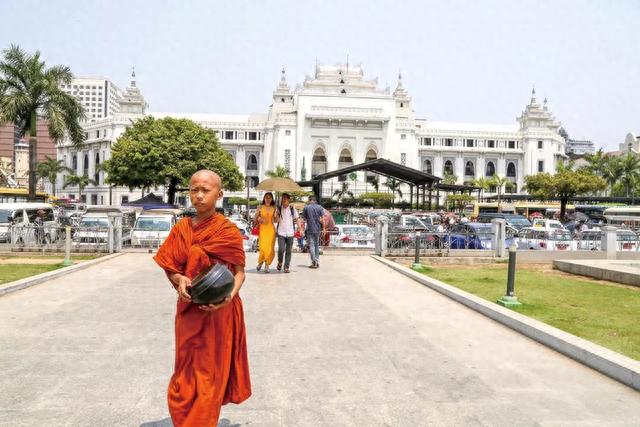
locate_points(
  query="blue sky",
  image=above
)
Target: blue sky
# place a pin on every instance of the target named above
(472, 61)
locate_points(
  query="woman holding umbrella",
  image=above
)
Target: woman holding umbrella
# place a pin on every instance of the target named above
(265, 218)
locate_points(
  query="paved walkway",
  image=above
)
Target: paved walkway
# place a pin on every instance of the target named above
(351, 344)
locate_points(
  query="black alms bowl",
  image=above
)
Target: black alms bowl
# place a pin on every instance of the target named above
(212, 285)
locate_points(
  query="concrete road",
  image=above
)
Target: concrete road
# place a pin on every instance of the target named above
(350, 344)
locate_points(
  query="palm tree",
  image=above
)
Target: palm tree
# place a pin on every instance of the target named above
(500, 182)
(483, 183)
(342, 192)
(278, 172)
(28, 90)
(375, 183)
(81, 181)
(597, 162)
(50, 168)
(630, 172)
(394, 186)
(612, 172)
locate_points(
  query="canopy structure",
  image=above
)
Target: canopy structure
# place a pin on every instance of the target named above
(419, 182)
(150, 201)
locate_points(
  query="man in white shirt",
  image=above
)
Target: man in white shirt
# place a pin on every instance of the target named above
(289, 222)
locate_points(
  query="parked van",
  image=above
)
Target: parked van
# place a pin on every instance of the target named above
(19, 226)
(93, 228)
(516, 221)
(152, 227)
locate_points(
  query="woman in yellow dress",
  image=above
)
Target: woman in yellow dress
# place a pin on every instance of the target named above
(266, 217)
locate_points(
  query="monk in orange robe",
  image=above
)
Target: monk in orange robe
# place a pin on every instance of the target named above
(211, 366)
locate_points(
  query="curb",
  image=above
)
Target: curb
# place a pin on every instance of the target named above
(27, 282)
(614, 365)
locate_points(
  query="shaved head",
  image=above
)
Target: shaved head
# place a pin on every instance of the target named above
(206, 175)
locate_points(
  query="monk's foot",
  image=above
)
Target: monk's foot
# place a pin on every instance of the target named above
(259, 267)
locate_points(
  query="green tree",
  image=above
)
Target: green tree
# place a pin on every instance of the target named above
(394, 187)
(50, 168)
(449, 179)
(483, 183)
(597, 162)
(612, 172)
(379, 200)
(501, 183)
(278, 172)
(28, 91)
(342, 192)
(375, 183)
(81, 181)
(566, 183)
(167, 152)
(629, 172)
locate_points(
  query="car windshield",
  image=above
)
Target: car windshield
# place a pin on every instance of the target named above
(5, 215)
(153, 224)
(560, 235)
(518, 221)
(94, 223)
(627, 236)
(414, 222)
(555, 225)
(351, 231)
(483, 232)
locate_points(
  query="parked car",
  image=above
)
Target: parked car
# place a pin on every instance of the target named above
(591, 240)
(472, 235)
(352, 236)
(18, 223)
(548, 224)
(516, 221)
(93, 229)
(249, 241)
(538, 238)
(152, 227)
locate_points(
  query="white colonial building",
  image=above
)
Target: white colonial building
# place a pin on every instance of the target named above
(338, 118)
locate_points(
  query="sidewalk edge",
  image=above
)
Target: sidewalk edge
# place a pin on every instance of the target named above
(614, 365)
(27, 282)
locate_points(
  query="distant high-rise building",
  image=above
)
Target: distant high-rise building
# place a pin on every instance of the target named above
(100, 97)
(580, 147)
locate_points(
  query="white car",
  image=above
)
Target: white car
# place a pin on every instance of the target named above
(151, 229)
(19, 224)
(352, 236)
(548, 224)
(249, 241)
(626, 240)
(92, 230)
(546, 240)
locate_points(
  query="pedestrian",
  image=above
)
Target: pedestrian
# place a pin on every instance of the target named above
(266, 216)
(39, 227)
(313, 214)
(211, 366)
(288, 224)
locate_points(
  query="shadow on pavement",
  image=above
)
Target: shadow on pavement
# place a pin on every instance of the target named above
(167, 423)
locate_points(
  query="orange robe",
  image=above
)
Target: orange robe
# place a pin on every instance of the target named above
(211, 366)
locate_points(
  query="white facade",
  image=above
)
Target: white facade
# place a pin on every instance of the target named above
(631, 144)
(338, 118)
(99, 97)
(580, 147)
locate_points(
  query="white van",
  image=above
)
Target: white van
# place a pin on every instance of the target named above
(18, 223)
(152, 227)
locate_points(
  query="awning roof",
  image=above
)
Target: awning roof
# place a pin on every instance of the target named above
(383, 167)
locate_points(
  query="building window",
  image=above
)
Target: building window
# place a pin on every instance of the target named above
(540, 145)
(469, 143)
(252, 164)
(287, 132)
(287, 160)
(318, 162)
(448, 142)
(85, 165)
(427, 141)
(490, 170)
(401, 104)
(540, 165)
(96, 174)
(403, 159)
(469, 169)
(97, 134)
(448, 167)
(74, 163)
(511, 170)
(511, 144)
(426, 167)
(94, 199)
(228, 134)
(344, 161)
(491, 143)
(253, 136)
(124, 199)
(403, 136)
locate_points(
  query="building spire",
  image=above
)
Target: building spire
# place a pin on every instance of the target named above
(283, 79)
(133, 76)
(533, 95)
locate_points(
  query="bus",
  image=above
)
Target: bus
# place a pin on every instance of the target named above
(477, 208)
(547, 210)
(623, 216)
(20, 195)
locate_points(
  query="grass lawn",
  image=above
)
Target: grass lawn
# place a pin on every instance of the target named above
(601, 312)
(11, 272)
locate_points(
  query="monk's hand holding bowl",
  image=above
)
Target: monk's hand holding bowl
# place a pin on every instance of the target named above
(183, 283)
(212, 307)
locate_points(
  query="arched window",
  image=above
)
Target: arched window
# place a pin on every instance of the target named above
(345, 160)
(448, 167)
(252, 163)
(85, 165)
(511, 170)
(469, 169)
(490, 170)
(96, 175)
(318, 162)
(426, 167)
(74, 164)
(371, 155)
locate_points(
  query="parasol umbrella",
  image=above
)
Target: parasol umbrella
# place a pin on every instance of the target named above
(279, 185)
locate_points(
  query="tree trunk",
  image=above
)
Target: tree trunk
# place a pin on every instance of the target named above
(563, 207)
(53, 184)
(33, 156)
(173, 184)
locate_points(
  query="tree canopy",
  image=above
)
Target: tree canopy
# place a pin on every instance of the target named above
(168, 151)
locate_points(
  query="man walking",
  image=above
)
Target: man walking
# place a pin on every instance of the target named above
(313, 213)
(287, 225)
